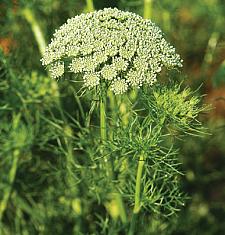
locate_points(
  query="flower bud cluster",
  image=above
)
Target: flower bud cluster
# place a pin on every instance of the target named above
(119, 48)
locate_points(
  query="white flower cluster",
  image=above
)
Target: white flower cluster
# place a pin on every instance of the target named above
(119, 48)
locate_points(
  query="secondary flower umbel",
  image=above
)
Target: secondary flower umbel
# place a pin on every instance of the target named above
(119, 48)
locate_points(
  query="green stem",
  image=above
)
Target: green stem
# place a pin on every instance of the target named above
(137, 200)
(148, 9)
(102, 119)
(109, 167)
(113, 111)
(166, 20)
(90, 5)
(121, 208)
(112, 104)
(103, 133)
(210, 50)
(118, 198)
(29, 16)
(12, 175)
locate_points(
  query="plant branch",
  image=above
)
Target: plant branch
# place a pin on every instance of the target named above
(109, 166)
(29, 16)
(148, 9)
(137, 202)
(90, 5)
(137, 198)
(12, 175)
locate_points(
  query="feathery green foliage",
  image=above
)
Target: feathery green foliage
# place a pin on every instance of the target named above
(64, 173)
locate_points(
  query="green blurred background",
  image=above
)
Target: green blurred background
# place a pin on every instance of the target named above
(40, 117)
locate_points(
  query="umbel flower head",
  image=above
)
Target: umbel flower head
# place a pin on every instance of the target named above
(118, 48)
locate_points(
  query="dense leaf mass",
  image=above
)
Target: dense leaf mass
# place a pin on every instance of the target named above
(119, 48)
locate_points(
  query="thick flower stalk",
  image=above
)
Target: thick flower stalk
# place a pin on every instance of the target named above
(120, 49)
